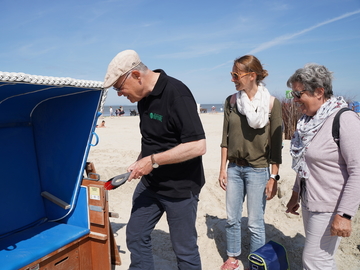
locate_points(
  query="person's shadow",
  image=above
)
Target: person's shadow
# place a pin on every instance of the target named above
(216, 231)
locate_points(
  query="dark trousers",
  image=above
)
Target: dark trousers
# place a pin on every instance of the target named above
(148, 207)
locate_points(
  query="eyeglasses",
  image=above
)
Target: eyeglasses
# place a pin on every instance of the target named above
(297, 94)
(236, 76)
(121, 85)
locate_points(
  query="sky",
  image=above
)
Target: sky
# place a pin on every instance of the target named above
(194, 41)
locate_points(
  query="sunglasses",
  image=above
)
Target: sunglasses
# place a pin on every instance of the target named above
(121, 85)
(297, 94)
(236, 76)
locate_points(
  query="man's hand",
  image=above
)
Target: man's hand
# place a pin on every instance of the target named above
(139, 168)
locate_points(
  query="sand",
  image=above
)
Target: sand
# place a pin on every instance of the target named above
(119, 146)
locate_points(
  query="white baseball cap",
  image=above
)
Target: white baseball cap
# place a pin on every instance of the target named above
(122, 63)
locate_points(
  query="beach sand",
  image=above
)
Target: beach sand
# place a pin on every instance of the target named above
(119, 147)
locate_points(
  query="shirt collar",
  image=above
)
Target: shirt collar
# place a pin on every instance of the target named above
(160, 84)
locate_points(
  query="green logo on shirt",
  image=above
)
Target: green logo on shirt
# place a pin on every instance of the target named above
(156, 116)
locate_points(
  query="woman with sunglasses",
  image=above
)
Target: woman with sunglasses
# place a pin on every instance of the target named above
(251, 141)
(328, 176)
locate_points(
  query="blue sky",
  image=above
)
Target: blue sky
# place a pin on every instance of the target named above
(195, 41)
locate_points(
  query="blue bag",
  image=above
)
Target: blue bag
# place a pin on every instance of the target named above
(271, 256)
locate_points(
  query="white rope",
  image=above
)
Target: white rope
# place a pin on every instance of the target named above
(47, 80)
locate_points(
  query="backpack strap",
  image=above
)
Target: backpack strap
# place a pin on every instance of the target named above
(232, 101)
(336, 125)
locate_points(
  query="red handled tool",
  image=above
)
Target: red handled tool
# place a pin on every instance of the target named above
(116, 181)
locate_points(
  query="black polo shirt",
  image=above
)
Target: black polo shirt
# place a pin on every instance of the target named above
(169, 117)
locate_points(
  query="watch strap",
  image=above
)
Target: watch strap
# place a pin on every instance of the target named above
(346, 216)
(154, 164)
(275, 176)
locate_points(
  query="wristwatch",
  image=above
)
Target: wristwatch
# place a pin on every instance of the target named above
(275, 177)
(346, 216)
(154, 164)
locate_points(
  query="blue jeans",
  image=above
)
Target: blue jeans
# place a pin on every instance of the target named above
(148, 207)
(242, 181)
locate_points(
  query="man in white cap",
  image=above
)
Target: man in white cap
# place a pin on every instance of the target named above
(170, 162)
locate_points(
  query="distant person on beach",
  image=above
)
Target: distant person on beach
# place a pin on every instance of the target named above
(251, 142)
(169, 164)
(121, 111)
(111, 111)
(102, 125)
(327, 181)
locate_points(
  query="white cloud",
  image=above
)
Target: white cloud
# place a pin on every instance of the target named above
(282, 39)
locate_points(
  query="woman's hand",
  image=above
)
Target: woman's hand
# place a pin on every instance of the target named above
(223, 179)
(340, 226)
(271, 189)
(293, 204)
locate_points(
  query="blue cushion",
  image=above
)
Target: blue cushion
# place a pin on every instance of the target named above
(25, 247)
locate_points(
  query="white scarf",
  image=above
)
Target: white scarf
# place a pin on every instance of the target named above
(256, 110)
(306, 129)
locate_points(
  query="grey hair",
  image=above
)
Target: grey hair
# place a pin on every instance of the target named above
(141, 67)
(313, 76)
